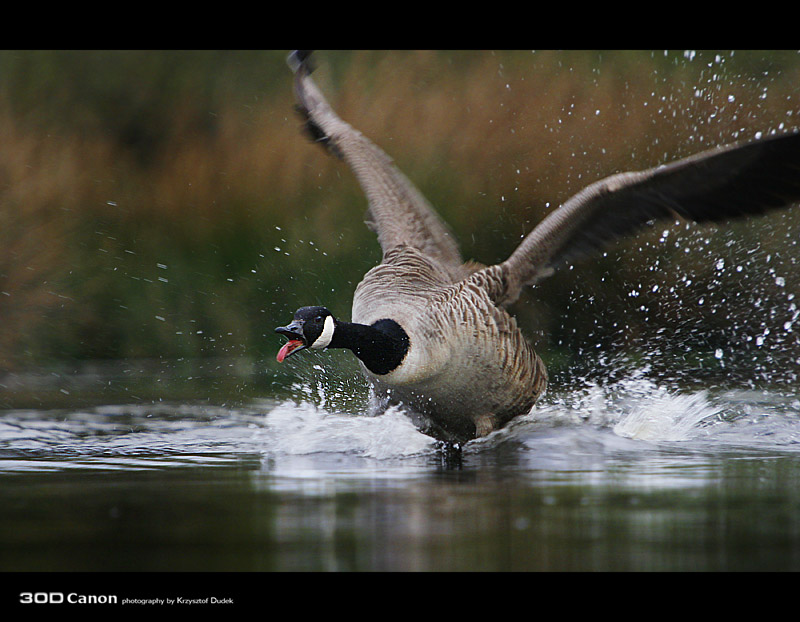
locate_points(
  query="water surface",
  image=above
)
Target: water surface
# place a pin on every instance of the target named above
(629, 476)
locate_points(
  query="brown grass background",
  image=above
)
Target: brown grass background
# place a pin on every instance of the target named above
(144, 196)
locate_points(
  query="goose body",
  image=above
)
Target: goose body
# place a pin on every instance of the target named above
(457, 335)
(432, 332)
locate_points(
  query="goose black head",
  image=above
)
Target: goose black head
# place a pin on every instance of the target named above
(312, 327)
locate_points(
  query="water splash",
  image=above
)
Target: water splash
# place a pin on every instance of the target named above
(579, 422)
(668, 417)
(631, 408)
(302, 428)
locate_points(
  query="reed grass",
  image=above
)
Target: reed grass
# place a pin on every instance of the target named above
(165, 205)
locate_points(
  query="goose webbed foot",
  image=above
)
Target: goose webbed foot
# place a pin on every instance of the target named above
(450, 453)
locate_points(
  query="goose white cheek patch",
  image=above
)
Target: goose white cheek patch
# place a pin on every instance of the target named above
(324, 340)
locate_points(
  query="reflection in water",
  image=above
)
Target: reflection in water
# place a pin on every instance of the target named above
(620, 478)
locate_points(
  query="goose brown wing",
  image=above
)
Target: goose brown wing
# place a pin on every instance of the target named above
(712, 186)
(397, 213)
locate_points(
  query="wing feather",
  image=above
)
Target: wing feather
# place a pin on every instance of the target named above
(712, 186)
(398, 213)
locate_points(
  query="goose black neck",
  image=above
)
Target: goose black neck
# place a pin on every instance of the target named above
(381, 346)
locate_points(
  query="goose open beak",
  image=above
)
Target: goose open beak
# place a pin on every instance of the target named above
(294, 333)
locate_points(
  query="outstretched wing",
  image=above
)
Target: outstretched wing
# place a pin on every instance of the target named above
(715, 185)
(397, 212)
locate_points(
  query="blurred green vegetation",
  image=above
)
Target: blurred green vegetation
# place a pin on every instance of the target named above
(164, 205)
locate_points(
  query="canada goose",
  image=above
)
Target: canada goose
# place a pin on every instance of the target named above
(431, 331)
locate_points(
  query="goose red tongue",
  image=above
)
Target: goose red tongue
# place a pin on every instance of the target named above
(288, 348)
